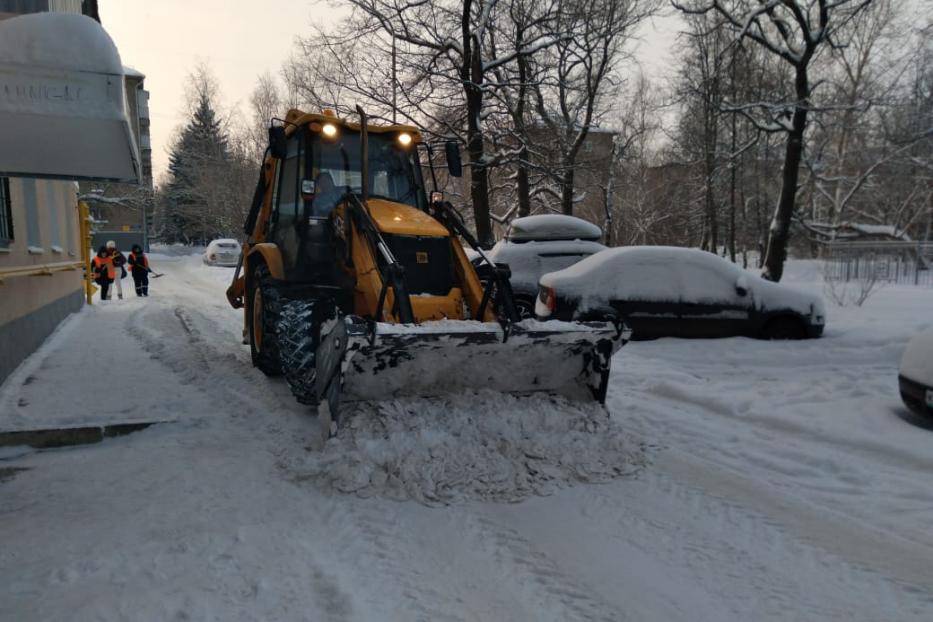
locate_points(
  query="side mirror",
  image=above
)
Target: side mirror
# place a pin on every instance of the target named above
(454, 165)
(278, 148)
(741, 286)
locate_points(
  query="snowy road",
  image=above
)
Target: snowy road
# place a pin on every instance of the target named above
(782, 482)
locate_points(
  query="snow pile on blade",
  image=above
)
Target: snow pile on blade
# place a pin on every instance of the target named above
(483, 446)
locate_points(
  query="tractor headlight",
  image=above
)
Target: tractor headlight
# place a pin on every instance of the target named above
(329, 130)
(404, 139)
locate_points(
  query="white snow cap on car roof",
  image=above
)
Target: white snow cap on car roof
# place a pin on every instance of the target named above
(552, 227)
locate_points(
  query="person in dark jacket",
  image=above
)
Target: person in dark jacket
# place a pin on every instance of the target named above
(139, 267)
(102, 268)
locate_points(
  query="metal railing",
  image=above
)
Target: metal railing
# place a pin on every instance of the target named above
(902, 263)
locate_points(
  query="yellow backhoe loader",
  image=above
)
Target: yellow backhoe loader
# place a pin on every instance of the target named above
(355, 284)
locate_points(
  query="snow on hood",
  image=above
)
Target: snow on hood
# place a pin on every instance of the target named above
(482, 446)
(552, 227)
(58, 41)
(917, 361)
(666, 273)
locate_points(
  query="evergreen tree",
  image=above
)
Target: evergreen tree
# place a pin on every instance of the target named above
(200, 151)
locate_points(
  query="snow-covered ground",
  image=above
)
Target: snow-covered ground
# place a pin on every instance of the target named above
(736, 480)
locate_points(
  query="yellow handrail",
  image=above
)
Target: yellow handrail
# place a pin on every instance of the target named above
(63, 266)
(40, 269)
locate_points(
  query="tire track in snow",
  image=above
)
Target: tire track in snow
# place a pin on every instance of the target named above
(744, 560)
(539, 580)
(699, 457)
(172, 337)
(387, 553)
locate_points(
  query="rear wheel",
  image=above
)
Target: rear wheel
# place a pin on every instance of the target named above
(298, 343)
(525, 308)
(264, 311)
(784, 328)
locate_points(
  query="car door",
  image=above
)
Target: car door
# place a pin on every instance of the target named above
(288, 204)
(712, 305)
(648, 299)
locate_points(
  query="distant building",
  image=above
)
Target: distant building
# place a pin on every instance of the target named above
(854, 232)
(124, 214)
(40, 250)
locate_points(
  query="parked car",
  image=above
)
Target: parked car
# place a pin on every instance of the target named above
(535, 245)
(678, 292)
(222, 252)
(916, 374)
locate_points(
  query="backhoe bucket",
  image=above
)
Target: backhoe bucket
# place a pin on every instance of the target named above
(359, 360)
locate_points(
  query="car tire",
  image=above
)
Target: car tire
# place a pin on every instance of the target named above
(525, 307)
(784, 328)
(299, 338)
(263, 316)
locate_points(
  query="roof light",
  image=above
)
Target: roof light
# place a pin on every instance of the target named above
(404, 139)
(329, 129)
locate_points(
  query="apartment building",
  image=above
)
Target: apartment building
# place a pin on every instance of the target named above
(41, 272)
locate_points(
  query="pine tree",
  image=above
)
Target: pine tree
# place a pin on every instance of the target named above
(200, 151)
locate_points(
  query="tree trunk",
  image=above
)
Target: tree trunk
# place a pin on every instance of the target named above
(523, 187)
(780, 225)
(471, 75)
(566, 190)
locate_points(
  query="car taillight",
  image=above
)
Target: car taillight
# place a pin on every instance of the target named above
(549, 297)
(213, 257)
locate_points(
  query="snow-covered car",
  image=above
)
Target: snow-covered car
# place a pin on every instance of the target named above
(536, 245)
(916, 374)
(222, 252)
(678, 292)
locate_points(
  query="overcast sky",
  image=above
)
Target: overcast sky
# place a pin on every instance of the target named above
(165, 39)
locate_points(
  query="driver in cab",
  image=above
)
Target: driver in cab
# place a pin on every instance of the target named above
(326, 195)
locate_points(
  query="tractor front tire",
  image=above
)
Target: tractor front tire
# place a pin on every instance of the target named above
(299, 338)
(264, 311)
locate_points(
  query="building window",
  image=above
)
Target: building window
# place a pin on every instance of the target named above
(6, 214)
(33, 240)
(54, 210)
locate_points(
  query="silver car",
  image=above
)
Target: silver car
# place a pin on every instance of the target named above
(222, 252)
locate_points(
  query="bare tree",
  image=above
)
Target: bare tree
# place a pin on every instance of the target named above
(580, 73)
(265, 103)
(794, 32)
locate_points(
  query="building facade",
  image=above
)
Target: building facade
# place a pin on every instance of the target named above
(41, 270)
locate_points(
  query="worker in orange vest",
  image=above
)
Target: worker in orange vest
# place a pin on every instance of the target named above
(102, 267)
(139, 267)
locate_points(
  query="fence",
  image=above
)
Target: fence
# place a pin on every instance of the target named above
(903, 263)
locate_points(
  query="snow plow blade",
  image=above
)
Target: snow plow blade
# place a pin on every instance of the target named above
(359, 360)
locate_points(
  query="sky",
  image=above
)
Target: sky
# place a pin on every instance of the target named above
(238, 40)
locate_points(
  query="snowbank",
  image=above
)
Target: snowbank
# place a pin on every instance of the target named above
(474, 446)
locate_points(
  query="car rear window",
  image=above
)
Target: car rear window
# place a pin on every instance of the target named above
(228, 245)
(552, 262)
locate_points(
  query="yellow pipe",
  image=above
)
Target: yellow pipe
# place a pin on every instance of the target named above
(84, 224)
(39, 270)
